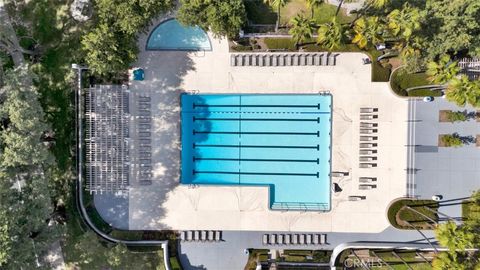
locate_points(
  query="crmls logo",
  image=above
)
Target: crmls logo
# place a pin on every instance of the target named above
(369, 262)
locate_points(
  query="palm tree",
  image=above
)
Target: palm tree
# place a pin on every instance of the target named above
(301, 28)
(312, 4)
(331, 35)
(462, 91)
(377, 3)
(367, 31)
(404, 21)
(443, 71)
(277, 4)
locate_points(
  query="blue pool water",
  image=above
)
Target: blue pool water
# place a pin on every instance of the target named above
(171, 35)
(280, 141)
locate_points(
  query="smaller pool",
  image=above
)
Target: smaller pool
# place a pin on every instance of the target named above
(170, 35)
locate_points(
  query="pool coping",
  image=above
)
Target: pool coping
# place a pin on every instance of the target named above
(177, 49)
(266, 185)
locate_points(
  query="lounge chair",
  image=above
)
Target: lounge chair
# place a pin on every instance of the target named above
(288, 60)
(301, 60)
(302, 239)
(356, 198)
(210, 235)
(268, 60)
(316, 239)
(368, 138)
(280, 239)
(196, 235)
(261, 60)
(325, 59)
(331, 60)
(323, 239)
(273, 239)
(233, 60)
(288, 239)
(183, 235)
(310, 59)
(367, 158)
(247, 60)
(368, 125)
(189, 236)
(368, 110)
(317, 60)
(295, 239)
(275, 60)
(203, 235)
(368, 145)
(366, 186)
(218, 236)
(295, 60)
(309, 239)
(368, 116)
(368, 131)
(367, 179)
(281, 60)
(254, 60)
(265, 239)
(367, 165)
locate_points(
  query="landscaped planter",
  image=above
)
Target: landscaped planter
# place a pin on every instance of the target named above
(452, 116)
(400, 216)
(449, 140)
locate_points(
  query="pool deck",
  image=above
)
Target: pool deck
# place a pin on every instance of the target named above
(167, 205)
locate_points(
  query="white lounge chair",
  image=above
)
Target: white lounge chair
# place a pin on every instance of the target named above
(265, 239)
(323, 239)
(309, 239)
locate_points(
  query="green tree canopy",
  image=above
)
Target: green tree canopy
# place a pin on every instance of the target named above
(222, 18)
(331, 35)
(301, 28)
(442, 71)
(462, 91)
(367, 31)
(451, 26)
(25, 162)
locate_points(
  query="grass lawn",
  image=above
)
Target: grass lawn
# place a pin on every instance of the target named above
(322, 14)
(402, 81)
(411, 216)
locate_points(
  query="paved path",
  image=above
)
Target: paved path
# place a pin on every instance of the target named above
(229, 254)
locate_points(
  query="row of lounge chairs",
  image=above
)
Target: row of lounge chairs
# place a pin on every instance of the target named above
(204, 236)
(145, 142)
(283, 59)
(368, 140)
(367, 183)
(294, 239)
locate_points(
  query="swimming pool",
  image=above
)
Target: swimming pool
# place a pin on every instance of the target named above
(279, 141)
(171, 35)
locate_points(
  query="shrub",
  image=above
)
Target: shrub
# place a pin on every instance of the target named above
(452, 140)
(456, 116)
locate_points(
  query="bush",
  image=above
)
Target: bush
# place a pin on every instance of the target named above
(241, 48)
(280, 44)
(456, 116)
(452, 140)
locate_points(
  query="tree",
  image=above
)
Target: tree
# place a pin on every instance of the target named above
(331, 35)
(367, 31)
(313, 4)
(377, 3)
(404, 21)
(107, 51)
(277, 4)
(451, 26)
(25, 202)
(222, 18)
(462, 91)
(130, 16)
(301, 29)
(442, 71)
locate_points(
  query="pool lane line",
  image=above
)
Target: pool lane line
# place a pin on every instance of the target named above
(317, 106)
(317, 147)
(317, 161)
(257, 133)
(317, 120)
(256, 173)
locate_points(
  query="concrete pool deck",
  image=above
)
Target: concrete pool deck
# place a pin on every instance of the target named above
(167, 205)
